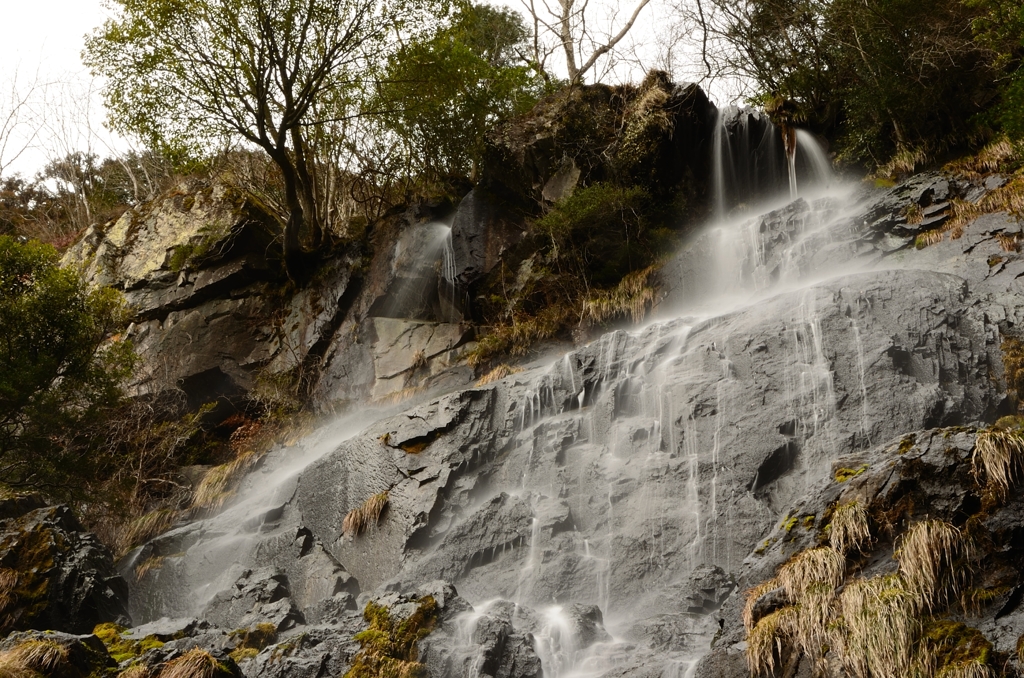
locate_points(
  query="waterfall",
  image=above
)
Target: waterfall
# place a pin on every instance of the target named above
(753, 162)
(617, 472)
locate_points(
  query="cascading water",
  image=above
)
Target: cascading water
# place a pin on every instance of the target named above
(624, 471)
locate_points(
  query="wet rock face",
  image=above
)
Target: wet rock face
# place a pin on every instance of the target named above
(59, 577)
(922, 475)
(625, 495)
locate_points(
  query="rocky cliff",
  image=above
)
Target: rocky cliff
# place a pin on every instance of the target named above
(603, 511)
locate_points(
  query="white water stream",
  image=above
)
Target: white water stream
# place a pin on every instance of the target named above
(630, 434)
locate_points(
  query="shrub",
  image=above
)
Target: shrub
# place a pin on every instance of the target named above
(61, 368)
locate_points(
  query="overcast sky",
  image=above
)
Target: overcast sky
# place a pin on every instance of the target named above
(44, 41)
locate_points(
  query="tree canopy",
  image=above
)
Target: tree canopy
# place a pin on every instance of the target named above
(192, 73)
(445, 89)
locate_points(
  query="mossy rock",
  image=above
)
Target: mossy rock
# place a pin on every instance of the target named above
(54, 576)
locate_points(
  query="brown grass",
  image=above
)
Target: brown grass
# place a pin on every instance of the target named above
(1007, 198)
(1009, 242)
(135, 671)
(153, 563)
(849, 529)
(33, 657)
(990, 159)
(998, 455)
(217, 486)
(498, 373)
(367, 515)
(631, 298)
(807, 568)
(767, 641)
(8, 585)
(195, 663)
(904, 162)
(876, 634)
(144, 528)
(752, 596)
(932, 557)
(970, 669)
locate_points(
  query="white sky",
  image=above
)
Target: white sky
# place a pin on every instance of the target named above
(45, 38)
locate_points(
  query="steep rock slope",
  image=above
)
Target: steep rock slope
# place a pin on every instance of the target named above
(629, 485)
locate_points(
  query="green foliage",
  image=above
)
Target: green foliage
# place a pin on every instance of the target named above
(59, 374)
(278, 75)
(885, 78)
(388, 648)
(602, 232)
(443, 91)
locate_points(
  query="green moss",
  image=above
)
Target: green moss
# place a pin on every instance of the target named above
(808, 522)
(31, 555)
(241, 654)
(389, 649)
(994, 260)
(844, 474)
(789, 523)
(765, 546)
(255, 638)
(1013, 370)
(953, 644)
(907, 444)
(193, 251)
(122, 648)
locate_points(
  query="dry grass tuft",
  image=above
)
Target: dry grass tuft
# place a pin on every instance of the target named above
(849, 529)
(970, 669)
(986, 161)
(767, 641)
(878, 627)
(146, 527)
(500, 372)
(1009, 242)
(8, 584)
(929, 555)
(135, 671)
(904, 162)
(33, 657)
(367, 515)
(929, 238)
(195, 663)
(217, 485)
(999, 453)
(632, 298)
(810, 567)
(1007, 198)
(752, 596)
(149, 564)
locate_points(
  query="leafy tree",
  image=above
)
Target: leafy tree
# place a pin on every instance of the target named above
(882, 77)
(59, 373)
(193, 73)
(443, 91)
